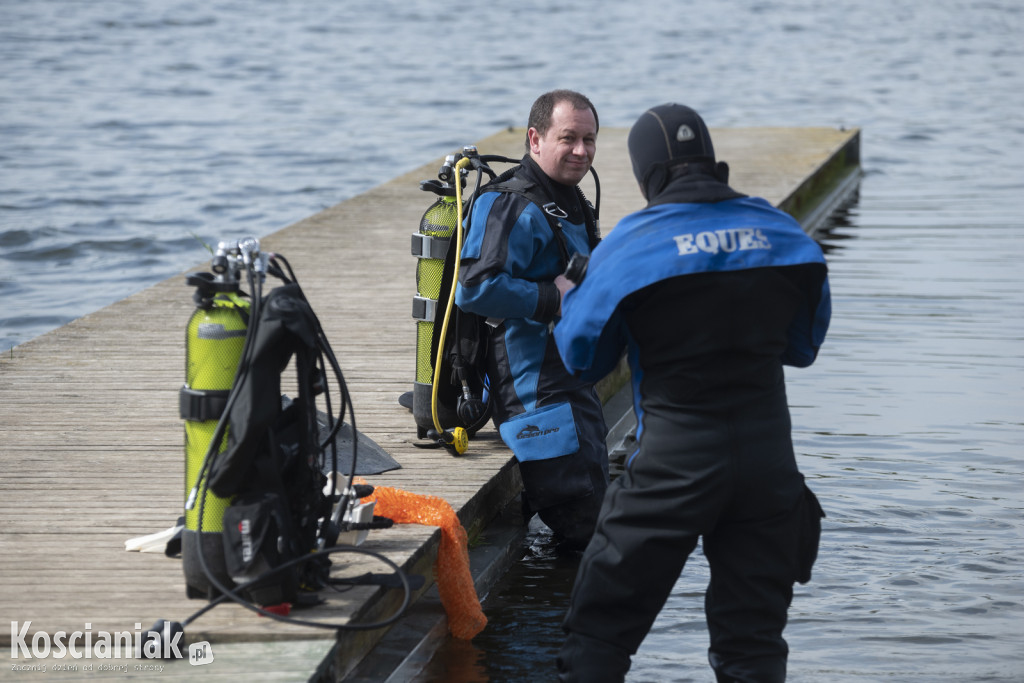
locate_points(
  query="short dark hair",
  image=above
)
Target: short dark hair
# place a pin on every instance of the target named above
(544, 107)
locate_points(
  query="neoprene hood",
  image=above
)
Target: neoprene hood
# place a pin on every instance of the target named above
(665, 136)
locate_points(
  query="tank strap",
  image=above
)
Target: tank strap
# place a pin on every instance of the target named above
(428, 246)
(424, 309)
(201, 405)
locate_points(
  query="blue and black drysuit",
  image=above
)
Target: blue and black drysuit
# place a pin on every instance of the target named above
(709, 299)
(551, 420)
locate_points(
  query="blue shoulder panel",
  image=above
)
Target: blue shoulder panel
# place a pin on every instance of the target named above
(670, 240)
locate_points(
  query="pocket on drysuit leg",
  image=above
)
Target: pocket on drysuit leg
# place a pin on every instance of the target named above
(811, 515)
(545, 442)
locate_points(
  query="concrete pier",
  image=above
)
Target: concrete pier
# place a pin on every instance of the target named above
(91, 447)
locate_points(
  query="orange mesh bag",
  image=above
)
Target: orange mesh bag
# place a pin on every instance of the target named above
(451, 570)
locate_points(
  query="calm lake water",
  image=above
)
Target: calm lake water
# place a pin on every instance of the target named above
(135, 131)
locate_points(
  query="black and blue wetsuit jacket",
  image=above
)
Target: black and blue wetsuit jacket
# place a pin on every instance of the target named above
(669, 240)
(510, 259)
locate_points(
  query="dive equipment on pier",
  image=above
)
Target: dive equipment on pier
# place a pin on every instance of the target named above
(450, 392)
(261, 515)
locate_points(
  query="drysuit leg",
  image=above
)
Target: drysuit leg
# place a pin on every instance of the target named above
(652, 518)
(579, 481)
(565, 491)
(735, 482)
(748, 597)
(753, 551)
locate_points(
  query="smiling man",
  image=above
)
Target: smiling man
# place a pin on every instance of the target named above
(523, 231)
(562, 138)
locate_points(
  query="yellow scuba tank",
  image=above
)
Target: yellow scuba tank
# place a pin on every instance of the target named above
(429, 246)
(214, 340)
(450, 397)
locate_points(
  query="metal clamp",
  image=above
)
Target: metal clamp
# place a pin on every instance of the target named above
(424, 309)
(427, 246)
(199, 405)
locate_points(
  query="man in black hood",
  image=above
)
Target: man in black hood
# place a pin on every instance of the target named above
(710, 292)
(674, 160)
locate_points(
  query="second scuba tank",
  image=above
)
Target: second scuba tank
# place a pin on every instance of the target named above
(430, 246)
(214, 340)
(451, 389)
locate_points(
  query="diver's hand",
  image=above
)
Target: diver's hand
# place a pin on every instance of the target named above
(564, 284)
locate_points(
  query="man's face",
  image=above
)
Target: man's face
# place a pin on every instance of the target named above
(567, 150)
